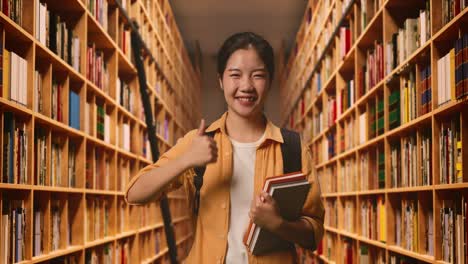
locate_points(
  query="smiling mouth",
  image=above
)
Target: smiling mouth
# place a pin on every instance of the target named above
(246, 99)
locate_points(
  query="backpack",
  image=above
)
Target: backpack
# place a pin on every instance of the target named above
(292, 161)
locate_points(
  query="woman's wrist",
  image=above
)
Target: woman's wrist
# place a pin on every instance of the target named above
(185, 162)
(277, 224)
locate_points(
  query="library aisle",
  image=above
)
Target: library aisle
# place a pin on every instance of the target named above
(378, 89)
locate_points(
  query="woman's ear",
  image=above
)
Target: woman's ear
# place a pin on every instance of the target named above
(220, 80)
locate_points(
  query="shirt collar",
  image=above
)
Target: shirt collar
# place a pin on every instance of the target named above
(272, 132)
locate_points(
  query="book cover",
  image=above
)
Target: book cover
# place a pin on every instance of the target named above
(289, 192)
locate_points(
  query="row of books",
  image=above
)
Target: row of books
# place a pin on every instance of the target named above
(96, 67)
(348, 216)
(461, 66)
(370, 224)
(406, 225)
(57, 101)
(331, 213)
(58, 223)
(12, 242)
(15, 150)
(367, 256)
(327, 68)
(452, 74)
(14, 81)
(13, 10)
(125, 96)
(454, 222)
(38, 92)
(409, 97)
(103, 255)
(98, 173)
(397, 259)
(347, 251)
(414, 34)
(319, 125)
(347, 136)
(373, 219)
(56, 177)
(53, 32)
(375, 118)
(426, 90)
(147, 147)
(99, 9)
(348, 175)
(126, 136)
(332, 111)
(122, 216)
(122, 255)
(372, 167)
(329, 146)
(101, 120)
(372, 73)
(346, 97)
(451, 8)
(450, 146)
(74, 110)
(394, 112)
(56, 162)
(162, 128)
(328, 179)
(124, 174)
(103, 124)
(125, 41)
(97, 218)
(368, 9)
(346, 39)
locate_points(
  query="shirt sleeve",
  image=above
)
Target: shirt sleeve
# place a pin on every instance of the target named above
(313, 210)
(184, 179)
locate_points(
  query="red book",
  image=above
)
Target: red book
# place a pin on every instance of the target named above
(289, 192)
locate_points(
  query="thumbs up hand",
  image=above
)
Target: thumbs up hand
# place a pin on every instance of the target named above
(203, 149)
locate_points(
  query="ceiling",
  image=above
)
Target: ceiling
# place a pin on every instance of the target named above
(212, 21)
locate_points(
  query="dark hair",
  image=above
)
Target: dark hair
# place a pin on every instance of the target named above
(244, 40)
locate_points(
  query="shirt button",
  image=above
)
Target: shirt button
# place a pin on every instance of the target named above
(223, 205)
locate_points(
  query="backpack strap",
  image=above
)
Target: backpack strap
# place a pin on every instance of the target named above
(291, 151)
(198, 181)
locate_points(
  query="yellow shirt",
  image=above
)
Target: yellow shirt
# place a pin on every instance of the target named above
(212, 224)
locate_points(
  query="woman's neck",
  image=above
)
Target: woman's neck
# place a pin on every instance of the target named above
(245, 129)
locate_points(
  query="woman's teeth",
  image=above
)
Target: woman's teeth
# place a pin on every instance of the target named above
(246, 99)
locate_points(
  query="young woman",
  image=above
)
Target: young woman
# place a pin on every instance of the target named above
(245, 149)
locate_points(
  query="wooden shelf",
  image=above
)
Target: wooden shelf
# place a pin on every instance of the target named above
(364, 146)
(94, 208)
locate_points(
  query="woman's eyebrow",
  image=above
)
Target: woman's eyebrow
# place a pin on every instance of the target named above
(234, 69)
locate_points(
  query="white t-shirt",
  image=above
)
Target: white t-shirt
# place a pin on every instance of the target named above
(242, 182)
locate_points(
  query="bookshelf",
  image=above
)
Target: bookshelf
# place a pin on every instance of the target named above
(376, 90)
(74, 134)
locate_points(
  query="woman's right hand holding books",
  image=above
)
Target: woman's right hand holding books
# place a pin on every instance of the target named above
(203, 149)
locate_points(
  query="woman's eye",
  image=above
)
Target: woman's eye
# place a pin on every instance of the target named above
(259, 76)
(235, 75)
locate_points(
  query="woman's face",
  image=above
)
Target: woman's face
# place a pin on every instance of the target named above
(245, 83)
